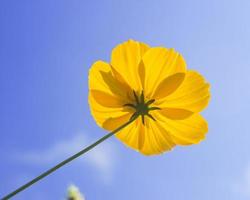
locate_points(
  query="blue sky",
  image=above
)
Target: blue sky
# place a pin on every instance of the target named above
(46, 50)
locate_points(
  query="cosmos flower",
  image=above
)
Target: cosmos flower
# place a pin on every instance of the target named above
(152, 87)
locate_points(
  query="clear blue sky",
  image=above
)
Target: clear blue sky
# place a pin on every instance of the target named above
(46, 49)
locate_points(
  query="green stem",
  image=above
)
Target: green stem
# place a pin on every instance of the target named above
(65, 161)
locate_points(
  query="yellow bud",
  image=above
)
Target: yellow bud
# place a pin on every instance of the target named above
(74, 193)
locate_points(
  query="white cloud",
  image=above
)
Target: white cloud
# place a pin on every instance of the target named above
(102, 157)
(243, 185)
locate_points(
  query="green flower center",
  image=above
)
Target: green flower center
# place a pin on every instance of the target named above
(141, 107)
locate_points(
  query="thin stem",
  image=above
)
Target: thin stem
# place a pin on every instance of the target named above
(41, 176)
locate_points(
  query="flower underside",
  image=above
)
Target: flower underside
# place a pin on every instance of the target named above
(159, 77)
(141, 107)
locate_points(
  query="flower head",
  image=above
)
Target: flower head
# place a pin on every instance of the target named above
(153, 86)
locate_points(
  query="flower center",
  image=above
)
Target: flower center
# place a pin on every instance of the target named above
(141, 107)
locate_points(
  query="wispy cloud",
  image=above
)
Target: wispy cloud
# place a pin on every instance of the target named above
(242, 186)
(102, 157)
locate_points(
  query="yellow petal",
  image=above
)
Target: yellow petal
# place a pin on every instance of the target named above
(159, 63)
(148, 139)
(102, 113)
(125, 60)
(96, 80)
(193, 94)
(107, 100)
(157, 140)
(102, 79)
(168, 85)
(113, 123)
(106, 95)
(133, 135)
(175, 113)
(185, 132)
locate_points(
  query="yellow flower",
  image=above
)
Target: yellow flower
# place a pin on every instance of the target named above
(152, 85)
